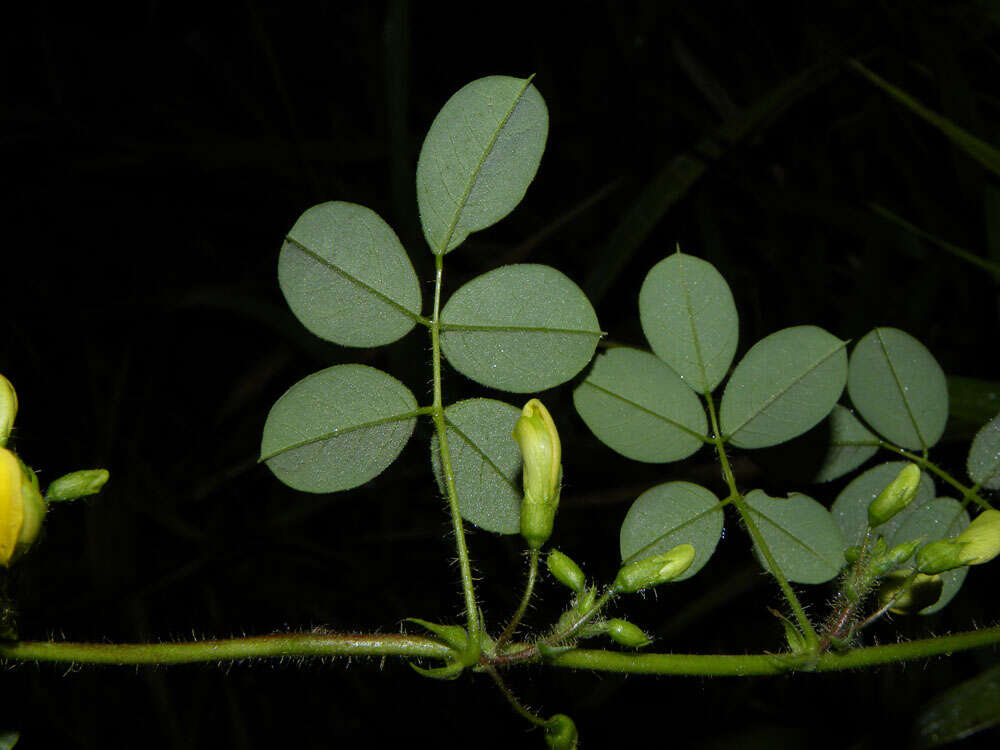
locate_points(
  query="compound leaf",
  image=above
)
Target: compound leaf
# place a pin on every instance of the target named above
(520, 328)
(346, 276)
(801, 535)
(786, 384)
(485, 463)
(899, 388)
(670, 514)
(638, 406)
(338, 428)
(689, 317)
(479, 156)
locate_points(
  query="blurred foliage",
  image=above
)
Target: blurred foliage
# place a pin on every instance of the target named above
(155, 157)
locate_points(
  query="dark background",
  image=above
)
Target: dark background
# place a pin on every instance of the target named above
(155, 155)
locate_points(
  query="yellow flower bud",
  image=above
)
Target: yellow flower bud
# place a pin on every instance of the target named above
(538, 439)
(652, 571)
(8, 409)
(943, 555)
(896, 496)
(981, 539)
(922, 592)
(22, 508)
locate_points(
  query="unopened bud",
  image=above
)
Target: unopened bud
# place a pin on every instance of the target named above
(538, 439)
(75, 485)
(895, 557)
(565, 571)
(22, 508)
(896, 496)
(922, 592)
(654, 570)
(938, 557)
(627, 634)
(560, 733)
(8, 409)
(981, 538)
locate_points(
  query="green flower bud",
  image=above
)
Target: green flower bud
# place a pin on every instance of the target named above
(654, 570)
(627, 634)
(941, 556)
(77, 484)
(560, 733)
(538, 439)
(921, 593)
(981, 538)
(565, 571)
(22, 508)
(896, 496)
(852, 554)
(8, 409)
(895, 557)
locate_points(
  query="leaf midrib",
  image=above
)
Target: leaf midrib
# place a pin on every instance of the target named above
(343, 431)
(463, 201)
(416, 317)
(775, 396)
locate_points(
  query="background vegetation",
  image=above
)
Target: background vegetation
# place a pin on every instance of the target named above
(151, 176)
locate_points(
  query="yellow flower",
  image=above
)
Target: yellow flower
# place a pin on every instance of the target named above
(22, 508)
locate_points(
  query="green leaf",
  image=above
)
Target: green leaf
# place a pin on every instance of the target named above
(638, 406)
(670, 514)
(801, 535)
(485, 463)
(935, 520)
(346, 276)
(338, 428)
(850, 509)
(786, 384)
(984, 456)
(479, 156)
(689, 317)
(975, 147)
(899, 388)
(8, 740)
(960, 711)
(520, 328)
(851, 444)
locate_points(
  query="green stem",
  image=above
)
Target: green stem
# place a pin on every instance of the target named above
(519, 707)
(332, 645)
(739, 665)
(231, 649)
(968, 493)
(529, 588)
(808, 631)
(471, 610)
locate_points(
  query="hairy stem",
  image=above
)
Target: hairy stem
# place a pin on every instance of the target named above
(519, 707)
(529, 588)
(471, 610)
(808, 631)
(229, 649)
(739, 665)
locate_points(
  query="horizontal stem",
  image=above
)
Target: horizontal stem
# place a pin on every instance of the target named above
(331, 645)
(230, 649)
(739, 665)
